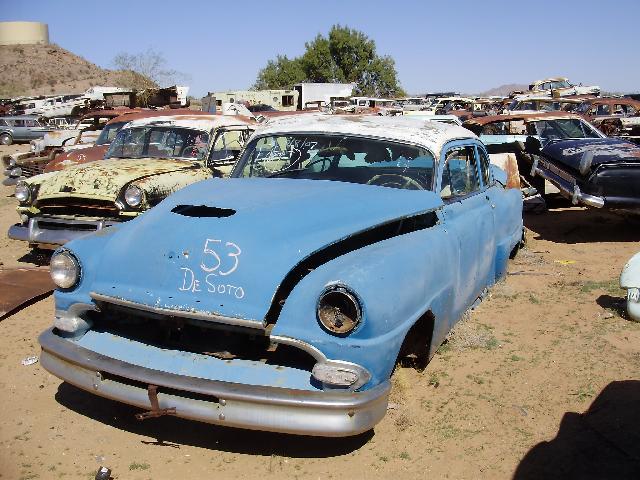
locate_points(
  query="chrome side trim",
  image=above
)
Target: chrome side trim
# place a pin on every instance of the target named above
(209, 317)
(321, 413)
(294, 342)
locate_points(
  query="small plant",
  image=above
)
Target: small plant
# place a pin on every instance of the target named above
(405, 456)
(139, 466)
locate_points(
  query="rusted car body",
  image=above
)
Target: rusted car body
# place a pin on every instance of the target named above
(615, 116)
(505, 137)
(571, 154)
(543, 104)
(561, 87)
(108, 133)
(148, 160)
(82, 135)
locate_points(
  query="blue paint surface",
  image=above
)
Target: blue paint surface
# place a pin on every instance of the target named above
(193, 364)
(233, 265)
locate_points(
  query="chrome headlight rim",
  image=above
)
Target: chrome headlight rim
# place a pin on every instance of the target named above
(68, 256)
(23, 193)
(332, 301)
(133, 196)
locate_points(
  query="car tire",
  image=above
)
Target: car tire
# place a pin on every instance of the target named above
(519, 245)
(6, 139)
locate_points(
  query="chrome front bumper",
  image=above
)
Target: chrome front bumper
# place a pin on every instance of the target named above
(36, 231)
(567, 188)
(322, 413)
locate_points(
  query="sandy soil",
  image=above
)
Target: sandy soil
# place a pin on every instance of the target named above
(549, 341)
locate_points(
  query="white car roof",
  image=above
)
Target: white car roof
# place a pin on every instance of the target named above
(198, 122)
(406, 129)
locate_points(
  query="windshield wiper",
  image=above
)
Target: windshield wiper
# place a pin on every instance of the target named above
(284, 172)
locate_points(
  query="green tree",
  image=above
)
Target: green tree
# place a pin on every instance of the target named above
(279, 73)
(345, 55)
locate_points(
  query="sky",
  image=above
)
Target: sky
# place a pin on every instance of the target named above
(461, 45)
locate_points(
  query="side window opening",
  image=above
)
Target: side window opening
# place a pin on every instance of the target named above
(460, 173)
(485, 166)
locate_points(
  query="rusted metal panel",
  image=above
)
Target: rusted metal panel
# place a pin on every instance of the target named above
(20, 285)
(508, 163)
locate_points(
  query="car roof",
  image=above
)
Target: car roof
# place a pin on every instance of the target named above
(612, 100)
(20, 117)
(198, 122)
(526, 117)
(135, 114)
(409, 129)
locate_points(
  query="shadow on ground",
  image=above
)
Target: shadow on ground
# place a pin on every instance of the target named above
(40, 258)
(602, 443)
(615, 304)
(583, 225)
(173, 432)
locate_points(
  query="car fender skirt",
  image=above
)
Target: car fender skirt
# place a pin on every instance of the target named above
(364, 238)
(323, 413)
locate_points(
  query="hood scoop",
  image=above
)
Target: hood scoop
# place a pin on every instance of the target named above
(202, 211)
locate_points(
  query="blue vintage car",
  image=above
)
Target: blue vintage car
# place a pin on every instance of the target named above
(281, 299)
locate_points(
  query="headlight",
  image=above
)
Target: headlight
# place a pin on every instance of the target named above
(64, 269)
(15, 172)
(23, 192)
(133, 196)
(12, 162)
(339, 311)
(33, 147)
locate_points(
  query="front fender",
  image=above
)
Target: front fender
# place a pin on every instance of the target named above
(397, 281)
(158, 187)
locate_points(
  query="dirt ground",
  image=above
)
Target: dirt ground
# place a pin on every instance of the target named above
(548, 356)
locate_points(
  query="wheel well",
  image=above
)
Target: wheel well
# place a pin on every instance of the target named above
(416, 348)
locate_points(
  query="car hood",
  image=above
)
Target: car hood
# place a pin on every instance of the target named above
(228, 255)
(105, 179)
(604, 150)
(75, 157)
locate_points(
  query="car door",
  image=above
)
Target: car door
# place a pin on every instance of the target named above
(226, 147)
(502, 210)
(469, 220)
(19, 130)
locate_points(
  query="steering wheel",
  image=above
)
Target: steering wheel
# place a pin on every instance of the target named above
(395, 180)
(318, 160)
(191, 151)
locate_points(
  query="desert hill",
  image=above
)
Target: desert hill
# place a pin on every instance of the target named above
(504, 90)
(50, 69)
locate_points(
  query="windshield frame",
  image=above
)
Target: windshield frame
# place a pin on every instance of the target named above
(155, 127)
(117, 126)
(244, 159)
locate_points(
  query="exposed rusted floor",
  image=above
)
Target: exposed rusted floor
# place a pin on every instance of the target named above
(19, 285)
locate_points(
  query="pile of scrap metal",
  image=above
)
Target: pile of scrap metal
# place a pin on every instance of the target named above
(171, 97)
(615, 116)
(569, 153)
(559, 87)
(43, 150)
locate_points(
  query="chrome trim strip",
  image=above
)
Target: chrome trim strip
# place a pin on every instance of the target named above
(209, 317)
(323, 413)
(574, 194)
